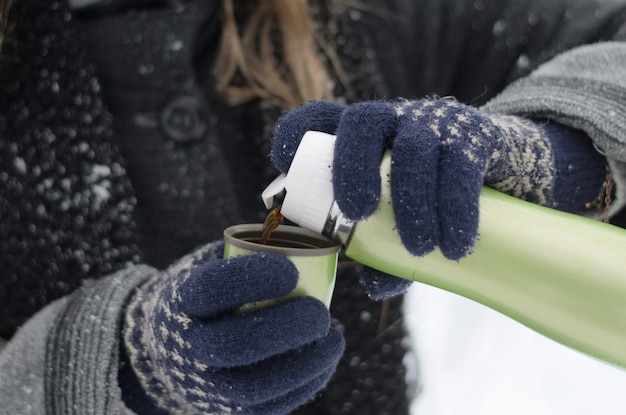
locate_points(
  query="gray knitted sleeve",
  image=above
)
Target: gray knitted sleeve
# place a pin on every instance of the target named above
(584, 88)
(65, 359)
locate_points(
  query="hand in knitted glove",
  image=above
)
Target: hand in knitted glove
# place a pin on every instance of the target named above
(192, 353)
(443, 152)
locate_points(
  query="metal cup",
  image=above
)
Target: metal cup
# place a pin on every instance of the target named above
(315, 256)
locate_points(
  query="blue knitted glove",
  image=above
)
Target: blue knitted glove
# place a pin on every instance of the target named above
(192, 353)
(443, 152)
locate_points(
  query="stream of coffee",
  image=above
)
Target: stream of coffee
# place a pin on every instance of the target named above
(272, 220)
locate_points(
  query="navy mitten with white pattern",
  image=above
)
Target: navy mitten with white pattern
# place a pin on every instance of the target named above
(189, 350)
(442, 153)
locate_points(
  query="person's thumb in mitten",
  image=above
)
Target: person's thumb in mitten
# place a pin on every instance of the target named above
(314, 116)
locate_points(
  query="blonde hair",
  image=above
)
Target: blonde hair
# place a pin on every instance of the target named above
(5, 5)
(248, 66)
(276, 55)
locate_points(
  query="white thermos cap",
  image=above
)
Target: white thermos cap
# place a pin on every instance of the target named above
(308, 183)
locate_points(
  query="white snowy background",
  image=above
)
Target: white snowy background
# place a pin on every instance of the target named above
(472, 360)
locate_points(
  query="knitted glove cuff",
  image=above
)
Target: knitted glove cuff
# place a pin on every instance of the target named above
(147, 354)
(580, 169)
(160, 364)
(380, 286)
(521, 164)
(544, 163)
(140, 358)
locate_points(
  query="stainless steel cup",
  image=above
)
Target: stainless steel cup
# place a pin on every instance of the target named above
(315, 256)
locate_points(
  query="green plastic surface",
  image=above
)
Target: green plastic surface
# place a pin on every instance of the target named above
(560, 274)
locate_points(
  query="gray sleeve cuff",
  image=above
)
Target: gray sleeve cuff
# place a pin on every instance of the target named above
(22, 364)
(82, 352)
(584, 88)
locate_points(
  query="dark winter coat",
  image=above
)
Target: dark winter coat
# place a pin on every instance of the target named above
(114, 150)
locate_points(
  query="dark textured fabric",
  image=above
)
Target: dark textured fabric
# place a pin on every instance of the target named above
(188, 188)
(474, 49)
(65, 200)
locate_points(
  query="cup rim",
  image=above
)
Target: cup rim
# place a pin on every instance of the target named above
(318, 245)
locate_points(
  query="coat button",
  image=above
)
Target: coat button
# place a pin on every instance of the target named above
(185, 118)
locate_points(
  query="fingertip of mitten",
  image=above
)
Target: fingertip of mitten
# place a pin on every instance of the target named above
(336, 346)
(419, 231)
(380, 285)
(310, 314)
(314, 116)
(210, 289)
(365, 131)
(370, 118)
(459, 248)
(357, 204)
(459, 220)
